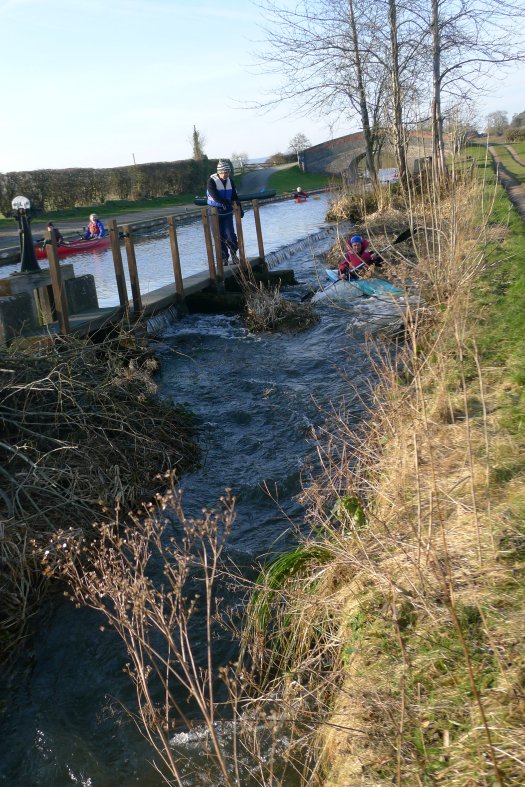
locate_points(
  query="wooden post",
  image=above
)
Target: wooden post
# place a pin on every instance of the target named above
(133, 272)
(209, 246)
(217, 242)
(258, 230)
(175, 256)
(56, 281)
(240, 236)
(117, 264)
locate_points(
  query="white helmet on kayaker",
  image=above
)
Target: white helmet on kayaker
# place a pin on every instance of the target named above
(298, 188)
(93, 217)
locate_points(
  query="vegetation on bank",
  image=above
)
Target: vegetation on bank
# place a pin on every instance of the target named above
(58, 189)
(109, 210)
(394, 635)
(82, 432)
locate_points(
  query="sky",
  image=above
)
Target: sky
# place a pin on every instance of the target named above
(107, 83)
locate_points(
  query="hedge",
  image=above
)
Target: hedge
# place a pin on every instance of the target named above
(58, 189)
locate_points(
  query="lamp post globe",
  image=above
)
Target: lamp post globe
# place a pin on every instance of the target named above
(22, 212)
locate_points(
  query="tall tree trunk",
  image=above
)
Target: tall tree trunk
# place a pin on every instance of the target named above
(363, 104)
(397, 108)
(439, 162)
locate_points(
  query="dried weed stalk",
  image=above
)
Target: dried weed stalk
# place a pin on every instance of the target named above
(156, 579)
(81, 428)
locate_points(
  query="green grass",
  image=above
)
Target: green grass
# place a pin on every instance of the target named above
(510, 164)
(519, 147)
(288, 179)
(110, 209)
(502, 294)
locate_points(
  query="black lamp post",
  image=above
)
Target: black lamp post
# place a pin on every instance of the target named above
(22, 212)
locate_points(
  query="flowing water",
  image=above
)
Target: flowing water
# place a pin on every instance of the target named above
(256, 399)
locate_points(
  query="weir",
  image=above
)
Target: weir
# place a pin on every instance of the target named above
(133, 279)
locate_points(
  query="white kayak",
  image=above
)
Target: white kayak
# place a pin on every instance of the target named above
(340, 290)
(367, 286)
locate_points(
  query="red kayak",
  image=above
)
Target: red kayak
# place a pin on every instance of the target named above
(300, 199)
(75, 247)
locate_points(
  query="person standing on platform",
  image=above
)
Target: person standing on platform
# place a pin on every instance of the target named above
(221, 194)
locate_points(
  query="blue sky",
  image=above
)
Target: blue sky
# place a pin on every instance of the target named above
(92, 84)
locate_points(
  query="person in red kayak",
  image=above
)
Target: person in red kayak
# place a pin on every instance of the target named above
(300, 193)
(95, 228)
(357, 255)
(56, 234)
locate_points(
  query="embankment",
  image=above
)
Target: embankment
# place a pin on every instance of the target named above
(398, 626)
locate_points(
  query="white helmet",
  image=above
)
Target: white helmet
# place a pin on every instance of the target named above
(93, 216)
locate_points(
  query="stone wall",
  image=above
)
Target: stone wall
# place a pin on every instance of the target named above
(341, 155)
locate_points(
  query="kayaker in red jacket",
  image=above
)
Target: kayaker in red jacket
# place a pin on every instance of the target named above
(357, 255)
(300, 193)
(95, 228)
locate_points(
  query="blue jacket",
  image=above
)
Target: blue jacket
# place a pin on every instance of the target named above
(95, 230)
(220, 194)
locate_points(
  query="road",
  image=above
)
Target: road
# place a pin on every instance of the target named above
(258, 178)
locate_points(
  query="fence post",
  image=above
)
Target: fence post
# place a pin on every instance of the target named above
(56, 282)
(240, 236)
(175, 256)
(217, 242)
(117, 264)
(209, 246)
(258, 230)
(133, 272)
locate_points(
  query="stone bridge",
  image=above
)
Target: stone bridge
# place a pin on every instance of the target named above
(341, 156)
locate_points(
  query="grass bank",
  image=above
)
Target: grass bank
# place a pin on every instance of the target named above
(394, 635)
(287, 180)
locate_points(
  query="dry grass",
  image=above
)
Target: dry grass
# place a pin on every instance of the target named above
(267, 310)
(401, 652)
(81, 430)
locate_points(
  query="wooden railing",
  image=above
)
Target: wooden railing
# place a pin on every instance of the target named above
(210, 224)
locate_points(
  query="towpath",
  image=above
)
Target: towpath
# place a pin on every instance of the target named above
(72, 227)
(512, 186)
(515, 155)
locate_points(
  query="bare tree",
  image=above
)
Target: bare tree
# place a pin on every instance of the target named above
(497, 122)
(518, 120)
(324, 54)
(298, 143)
(468, 37)
(239, 160)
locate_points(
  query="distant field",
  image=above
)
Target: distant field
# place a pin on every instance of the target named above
(289, 179)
